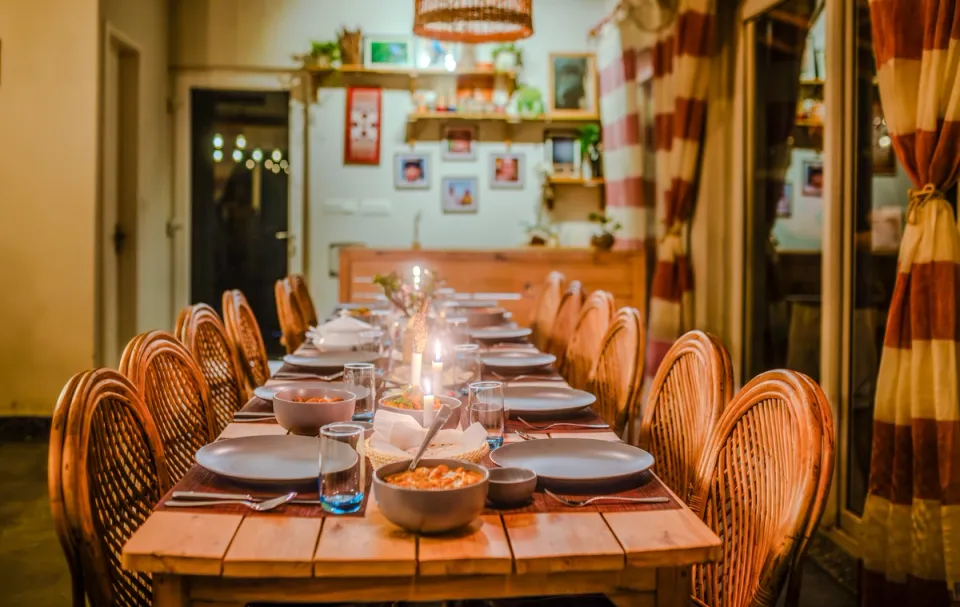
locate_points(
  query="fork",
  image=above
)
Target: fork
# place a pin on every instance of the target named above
(257, 506)
(516, 377)
(526, 436)
(616, 498)
(298, 375)
(542, 428)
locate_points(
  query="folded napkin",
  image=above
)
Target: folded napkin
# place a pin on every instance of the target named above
(400, 435)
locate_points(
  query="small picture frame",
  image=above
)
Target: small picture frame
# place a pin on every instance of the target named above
(574, 86)
(411, 171)
(436, 55)
(388, 52)
(507, 170)
(812, 178)
(785, 202)
(563, 153)
(459, 194)
(459, 143)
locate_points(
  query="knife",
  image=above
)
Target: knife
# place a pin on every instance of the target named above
(201, 495)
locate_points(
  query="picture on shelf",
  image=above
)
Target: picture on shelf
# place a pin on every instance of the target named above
(459, 194)
(390, 52)
(573, 83)
(564, 154)
(411, 171)
(812, 178)
(507, 170)
(437, 54)
(785, 202)
(459, 143)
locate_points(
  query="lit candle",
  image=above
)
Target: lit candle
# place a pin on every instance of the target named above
(428, 407)
(416, 278)
(416, 368)
(437, 370)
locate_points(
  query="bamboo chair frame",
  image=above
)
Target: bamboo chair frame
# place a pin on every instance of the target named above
(545, 309)
(308, 310)
(617, 379)
(580, 359)
(244, 333)
(567, 314)
(292, 325)
(692, 385)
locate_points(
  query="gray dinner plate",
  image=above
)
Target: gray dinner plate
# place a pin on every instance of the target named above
(273, 459)
(573, 462)
(500, 332)
(470, 303)
(517, 360)
(267, 392)
(330, 360)
(545, 400)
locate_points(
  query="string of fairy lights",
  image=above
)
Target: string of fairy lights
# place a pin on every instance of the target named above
(275, 162)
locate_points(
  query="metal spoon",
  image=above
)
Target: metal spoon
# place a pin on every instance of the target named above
(442, 416)
(258, 506)
(526, 436)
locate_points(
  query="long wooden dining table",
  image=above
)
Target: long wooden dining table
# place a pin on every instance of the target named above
(216, 558)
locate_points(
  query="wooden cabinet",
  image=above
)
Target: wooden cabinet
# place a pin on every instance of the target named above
(622, 273)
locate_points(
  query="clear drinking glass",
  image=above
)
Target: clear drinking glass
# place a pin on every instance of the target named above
(343, 467)
(466, 369)
(362, 375)
(372, 341)
(486, 407)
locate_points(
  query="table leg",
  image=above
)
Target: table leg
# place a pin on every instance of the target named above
(169, 591)
(673, 586)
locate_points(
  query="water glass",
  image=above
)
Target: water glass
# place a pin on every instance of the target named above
(343, 467)
(372, 341)
(466, 368)
(360, 376)
(486, 407)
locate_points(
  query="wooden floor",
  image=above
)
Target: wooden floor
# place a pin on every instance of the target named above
(32, 569)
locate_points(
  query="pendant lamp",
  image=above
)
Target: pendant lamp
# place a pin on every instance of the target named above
(473, 21)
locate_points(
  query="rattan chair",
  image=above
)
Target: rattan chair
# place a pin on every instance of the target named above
(567, 314)
(176, 394)
(292, 325)
(581, 356)
(113, 472)
(617, 379)
(244, 333)
(200, 329)
(688, 393)
(545, 309)
(305, 303)
(761, 487)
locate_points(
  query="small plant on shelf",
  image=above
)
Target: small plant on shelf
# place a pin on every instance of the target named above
(507, 57)
(603, 241)
(589, 135)
(540, 234)
(324, 54)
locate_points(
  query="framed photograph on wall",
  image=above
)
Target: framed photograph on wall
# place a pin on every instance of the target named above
(436, 54)
(573, 84)
(785, 202)
(411, 171)
(459, 194)
(459, 143)
(507, 170)
(361, 143)
(388, 52)
(812, 178)
(563, 153)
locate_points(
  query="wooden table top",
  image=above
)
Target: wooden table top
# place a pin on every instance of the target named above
(239, 546)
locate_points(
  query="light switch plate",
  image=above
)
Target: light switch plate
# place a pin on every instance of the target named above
(342, 206)
(376, 206)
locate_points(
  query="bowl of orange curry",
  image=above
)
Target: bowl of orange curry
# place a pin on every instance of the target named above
(439, 496)
(305, 410)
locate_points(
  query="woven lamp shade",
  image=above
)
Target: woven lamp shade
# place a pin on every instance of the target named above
(474, 21)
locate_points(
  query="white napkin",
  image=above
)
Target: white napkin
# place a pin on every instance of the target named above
(400, 435)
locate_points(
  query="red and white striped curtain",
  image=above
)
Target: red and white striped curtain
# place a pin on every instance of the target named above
(681, 62)
(911, 522)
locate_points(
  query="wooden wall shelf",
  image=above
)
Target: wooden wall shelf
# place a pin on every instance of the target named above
(415, 117)
(404, 78)
(576, 181)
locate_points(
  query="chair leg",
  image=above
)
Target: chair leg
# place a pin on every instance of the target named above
(794, 582)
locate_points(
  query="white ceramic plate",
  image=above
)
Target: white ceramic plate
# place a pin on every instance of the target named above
(268, 392)
(515, 360)
(272, 459)
(500, 332)
(545, 400)
(330, 360)
(573, 461)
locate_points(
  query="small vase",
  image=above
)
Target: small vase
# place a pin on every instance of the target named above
(505, 61)
(602, 242)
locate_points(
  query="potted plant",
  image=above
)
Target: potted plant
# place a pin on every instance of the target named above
(539, 234)
(603, 241)
(589, 135)
(507, 57)
(527, 102)
(324, 54)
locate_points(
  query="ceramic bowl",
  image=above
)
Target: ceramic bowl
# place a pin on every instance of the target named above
(425, 510)
(511, 486)
(307, 418)
(417, 414)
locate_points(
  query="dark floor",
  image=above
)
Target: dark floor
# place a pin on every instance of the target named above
(33, 572)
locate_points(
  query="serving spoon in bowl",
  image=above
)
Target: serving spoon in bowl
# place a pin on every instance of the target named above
(442, 416)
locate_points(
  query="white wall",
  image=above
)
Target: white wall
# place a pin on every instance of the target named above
(48, 109)
(267, 33)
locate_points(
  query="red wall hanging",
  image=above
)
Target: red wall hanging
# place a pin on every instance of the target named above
(361, 142)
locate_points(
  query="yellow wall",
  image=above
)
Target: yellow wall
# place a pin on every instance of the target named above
(48, 181)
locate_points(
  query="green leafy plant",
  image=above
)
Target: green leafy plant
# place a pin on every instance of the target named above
(529, 101)
(509, 47)
(589, 134)
(608, 225)
(330, 50)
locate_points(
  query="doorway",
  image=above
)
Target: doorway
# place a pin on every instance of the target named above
(239, 186)
(117, 309)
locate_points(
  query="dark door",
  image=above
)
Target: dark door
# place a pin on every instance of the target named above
(239, 181)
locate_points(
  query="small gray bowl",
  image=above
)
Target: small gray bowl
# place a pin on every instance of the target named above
(511, 486)
(430, 511)
(306, 419)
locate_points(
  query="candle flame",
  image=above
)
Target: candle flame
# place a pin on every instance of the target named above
(426, 387)
(438, 353)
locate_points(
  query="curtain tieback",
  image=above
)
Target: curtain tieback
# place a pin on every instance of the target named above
(920, 197)
(671, 244)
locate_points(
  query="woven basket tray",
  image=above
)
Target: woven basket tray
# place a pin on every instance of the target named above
(379, 458)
